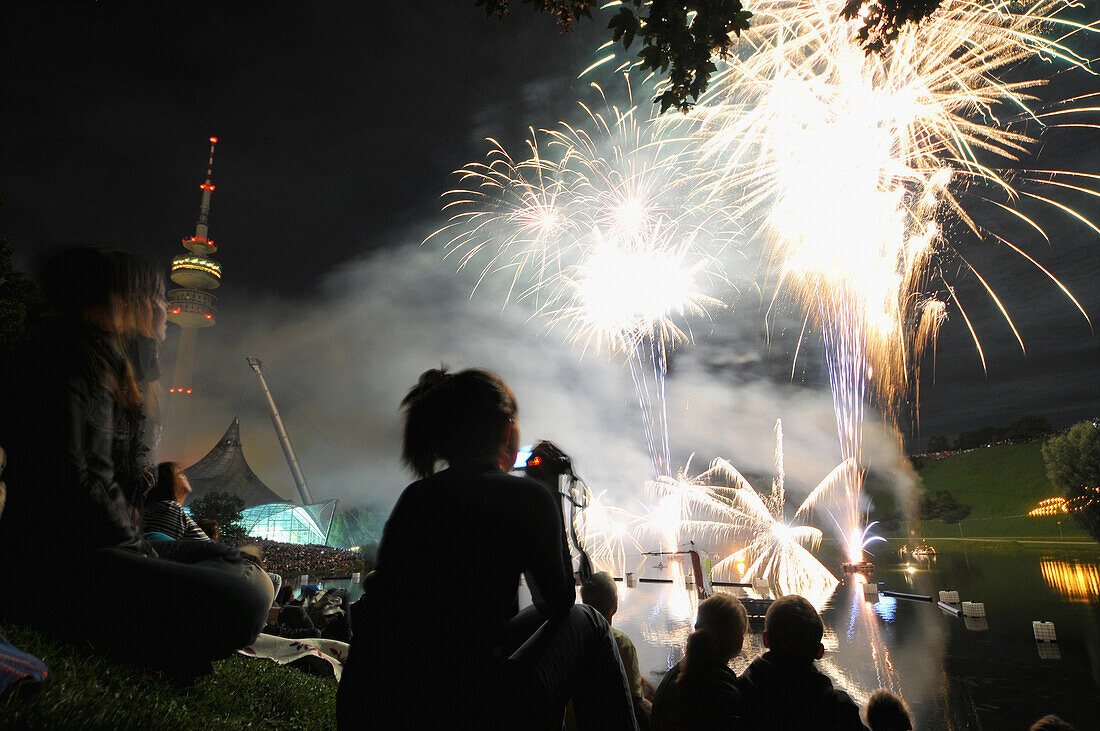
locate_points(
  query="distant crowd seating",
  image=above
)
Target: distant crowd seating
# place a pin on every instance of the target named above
(284, 558)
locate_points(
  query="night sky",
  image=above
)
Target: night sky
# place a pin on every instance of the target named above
(338, 127)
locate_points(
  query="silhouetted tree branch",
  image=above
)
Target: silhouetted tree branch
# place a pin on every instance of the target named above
(682, 37)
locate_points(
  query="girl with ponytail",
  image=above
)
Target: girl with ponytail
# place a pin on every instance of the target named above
(701, 690)
(443, 596)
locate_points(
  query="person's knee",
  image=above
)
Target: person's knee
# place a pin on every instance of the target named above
(259, 578)
(584, 614)
(589, 623)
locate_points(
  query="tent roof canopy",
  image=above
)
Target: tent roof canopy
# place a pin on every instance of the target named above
(224, 469)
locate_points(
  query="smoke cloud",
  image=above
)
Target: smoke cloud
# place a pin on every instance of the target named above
(339, 365)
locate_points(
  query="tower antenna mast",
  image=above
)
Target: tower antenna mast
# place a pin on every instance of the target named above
(191, 304)
(284, 438)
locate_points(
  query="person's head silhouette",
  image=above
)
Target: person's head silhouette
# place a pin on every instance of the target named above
(464, 418)
(718, 636)
(793, 628)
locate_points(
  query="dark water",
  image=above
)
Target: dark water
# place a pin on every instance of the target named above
(955, 673)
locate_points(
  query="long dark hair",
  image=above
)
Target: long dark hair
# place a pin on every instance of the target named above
(457, 418)
(720, 625)
(165, 487)
(112, 290)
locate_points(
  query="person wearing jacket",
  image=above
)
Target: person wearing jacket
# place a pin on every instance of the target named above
(783, 689)
(437, 642)
(72, 423)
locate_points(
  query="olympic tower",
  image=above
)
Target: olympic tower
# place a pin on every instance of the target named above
(191, 305)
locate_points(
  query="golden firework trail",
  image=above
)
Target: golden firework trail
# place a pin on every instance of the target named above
(852, 164)
(721, 506)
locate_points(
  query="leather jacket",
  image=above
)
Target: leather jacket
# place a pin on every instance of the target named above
(73, 449)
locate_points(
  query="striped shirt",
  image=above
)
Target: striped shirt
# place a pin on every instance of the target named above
(168, 517)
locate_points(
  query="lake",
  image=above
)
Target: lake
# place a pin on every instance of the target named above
(955, 672)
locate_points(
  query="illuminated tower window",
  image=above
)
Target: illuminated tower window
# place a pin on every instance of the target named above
(191, 305)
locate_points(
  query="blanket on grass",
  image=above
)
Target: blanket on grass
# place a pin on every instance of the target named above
(285, 651)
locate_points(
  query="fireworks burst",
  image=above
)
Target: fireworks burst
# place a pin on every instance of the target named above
(777, 546)
(604, 238)
(721, 506)
(607, 532)
(852, 161)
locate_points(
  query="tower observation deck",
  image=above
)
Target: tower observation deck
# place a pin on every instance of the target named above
(191, 305)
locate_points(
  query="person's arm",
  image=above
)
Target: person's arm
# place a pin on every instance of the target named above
(547, 555)
(629, 655)
(191, 529)
(87, 469)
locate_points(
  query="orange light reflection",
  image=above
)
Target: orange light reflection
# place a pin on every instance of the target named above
(1076, 581)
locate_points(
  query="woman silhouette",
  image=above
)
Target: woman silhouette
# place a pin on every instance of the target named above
(435, 637)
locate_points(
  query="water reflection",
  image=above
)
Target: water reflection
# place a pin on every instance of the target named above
(1076, 581)
(955, 672)
(1049, 650)
(885, 608)
(670, 620)
(976, 624)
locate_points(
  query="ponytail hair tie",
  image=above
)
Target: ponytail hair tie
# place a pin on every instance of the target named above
(429, 381)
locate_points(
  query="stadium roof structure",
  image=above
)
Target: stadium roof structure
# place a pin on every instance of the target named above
(290, 523)
(224, 469)
(266, 515)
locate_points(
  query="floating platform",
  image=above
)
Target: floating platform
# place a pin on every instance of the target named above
(866, 568)
(953, 611)
(756, 608)
(910, 597)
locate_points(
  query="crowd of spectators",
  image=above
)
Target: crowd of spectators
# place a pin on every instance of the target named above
(81, 424)
(293, 558)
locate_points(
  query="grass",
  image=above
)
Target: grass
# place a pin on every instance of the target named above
(1001, 484)
(87, 691)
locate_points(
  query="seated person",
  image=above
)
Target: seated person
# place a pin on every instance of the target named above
(599, 592)
(888, 712)
(73, 423)
(513, 670)
(164, 513)
(1051, 723)
(700, 691)
(211, 529)
(783, 689)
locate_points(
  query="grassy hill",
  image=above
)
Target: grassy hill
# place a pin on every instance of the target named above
(1001, 484)
(87, 691)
